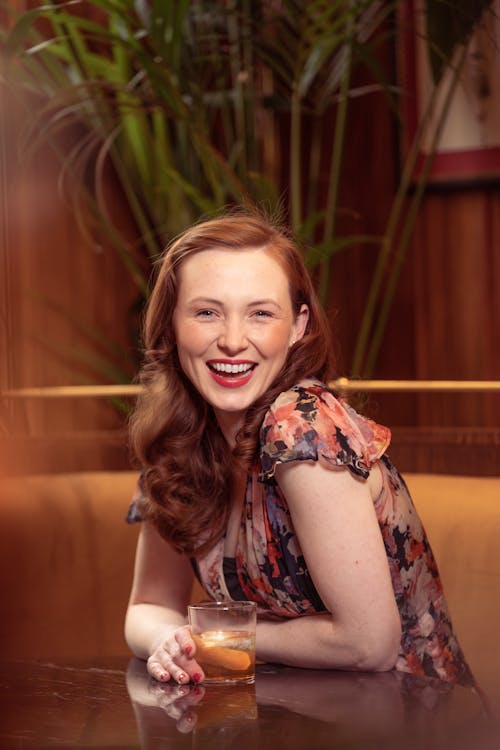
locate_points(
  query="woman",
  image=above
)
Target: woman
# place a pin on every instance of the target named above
(258, 478)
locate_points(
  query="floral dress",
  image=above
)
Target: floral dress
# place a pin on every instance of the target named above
(309, 423)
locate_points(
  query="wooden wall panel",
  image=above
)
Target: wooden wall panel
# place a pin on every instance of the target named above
(55, 285)
(368, 184)
(457, 284)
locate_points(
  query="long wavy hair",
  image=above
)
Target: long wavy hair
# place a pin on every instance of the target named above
(187, 466)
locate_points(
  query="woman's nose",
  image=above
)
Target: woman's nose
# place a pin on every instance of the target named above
(233, 337)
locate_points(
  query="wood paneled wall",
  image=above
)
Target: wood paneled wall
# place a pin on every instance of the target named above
(445, 322)
(64, 299)
(456, 264)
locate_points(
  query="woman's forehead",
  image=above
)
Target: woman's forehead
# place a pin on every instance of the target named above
(234, 258)
(230, 271)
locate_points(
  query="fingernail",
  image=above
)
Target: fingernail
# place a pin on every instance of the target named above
(164, 676)
(181, 677)
(188, 650)
(197, 677)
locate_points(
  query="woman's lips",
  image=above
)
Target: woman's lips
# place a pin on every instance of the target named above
(231, 374)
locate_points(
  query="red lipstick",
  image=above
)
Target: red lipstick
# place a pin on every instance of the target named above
(231, 379)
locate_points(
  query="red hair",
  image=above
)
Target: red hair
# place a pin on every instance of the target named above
(174, 433)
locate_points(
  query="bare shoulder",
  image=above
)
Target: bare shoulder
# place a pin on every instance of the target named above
(313, 477)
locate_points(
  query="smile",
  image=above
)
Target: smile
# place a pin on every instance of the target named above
(230, 369)
(231, 374)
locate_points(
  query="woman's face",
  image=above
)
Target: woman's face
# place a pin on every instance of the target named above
(233, 325)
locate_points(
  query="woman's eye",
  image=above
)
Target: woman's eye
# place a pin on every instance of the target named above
(263, 314)
(204, 313)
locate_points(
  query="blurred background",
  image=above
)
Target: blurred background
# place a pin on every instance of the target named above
(124, 122)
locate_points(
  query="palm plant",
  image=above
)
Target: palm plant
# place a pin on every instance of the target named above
(187, 105)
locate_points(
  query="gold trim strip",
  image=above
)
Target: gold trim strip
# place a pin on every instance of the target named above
(342, 385)
(75, 391)
(426, 386)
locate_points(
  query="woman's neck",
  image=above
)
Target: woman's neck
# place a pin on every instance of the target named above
(230, 424)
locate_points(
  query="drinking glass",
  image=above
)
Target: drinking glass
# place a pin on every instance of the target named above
(224, 634)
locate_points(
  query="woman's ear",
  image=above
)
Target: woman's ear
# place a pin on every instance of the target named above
(300, 324)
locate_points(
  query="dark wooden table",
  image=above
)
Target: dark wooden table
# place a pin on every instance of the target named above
(114, 704)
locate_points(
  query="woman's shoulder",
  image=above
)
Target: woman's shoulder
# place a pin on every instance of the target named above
(309, 421)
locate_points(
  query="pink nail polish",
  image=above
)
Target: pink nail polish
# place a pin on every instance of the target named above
(188, 650)
(197, 677)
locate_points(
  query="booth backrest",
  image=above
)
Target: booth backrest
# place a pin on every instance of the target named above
(67, 559)
(462, 519)
(66, 562)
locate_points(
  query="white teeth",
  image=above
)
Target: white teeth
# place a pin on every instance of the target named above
(232, 369)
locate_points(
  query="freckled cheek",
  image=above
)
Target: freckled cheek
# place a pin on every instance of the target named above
(192, 342)
(272, 342)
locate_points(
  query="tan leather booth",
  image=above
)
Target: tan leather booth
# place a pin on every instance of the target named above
(66, 561)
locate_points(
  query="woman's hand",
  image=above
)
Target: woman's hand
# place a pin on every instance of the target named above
(172, 658)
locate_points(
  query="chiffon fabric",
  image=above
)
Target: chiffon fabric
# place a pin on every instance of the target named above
(310, 423)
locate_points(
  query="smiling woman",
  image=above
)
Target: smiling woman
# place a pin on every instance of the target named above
(234, 325)
(266, 484)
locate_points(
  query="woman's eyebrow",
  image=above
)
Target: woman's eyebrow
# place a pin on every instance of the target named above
(256, 302)
(204, 301)
(253, 303)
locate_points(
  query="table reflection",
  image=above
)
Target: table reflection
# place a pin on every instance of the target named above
(298, 708)
(115, 704)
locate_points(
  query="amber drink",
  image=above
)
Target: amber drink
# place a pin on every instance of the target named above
(224, 634)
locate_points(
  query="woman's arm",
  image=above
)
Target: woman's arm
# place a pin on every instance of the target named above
(338, 532)
(155, 624)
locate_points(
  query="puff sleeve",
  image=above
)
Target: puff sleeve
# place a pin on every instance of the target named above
(309, 422)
